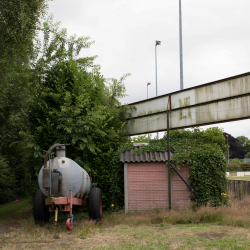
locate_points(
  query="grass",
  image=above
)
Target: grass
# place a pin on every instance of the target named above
(208, 228)
(15, 209)
(242, 178)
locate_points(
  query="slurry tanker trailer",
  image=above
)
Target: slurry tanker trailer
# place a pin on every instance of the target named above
(64, 184)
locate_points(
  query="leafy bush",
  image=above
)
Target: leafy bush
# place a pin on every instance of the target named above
(247, 155)
(7, 181)
(238, 165)
(235, 162)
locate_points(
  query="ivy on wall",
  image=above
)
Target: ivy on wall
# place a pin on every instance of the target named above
(204, 152)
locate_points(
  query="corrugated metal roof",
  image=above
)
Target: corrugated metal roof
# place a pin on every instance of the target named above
(128, 156)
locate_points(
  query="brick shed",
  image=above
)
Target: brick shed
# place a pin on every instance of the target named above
(146, 182)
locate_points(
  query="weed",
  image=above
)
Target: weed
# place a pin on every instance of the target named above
(86, 229)
(56, 236)
(156, 220)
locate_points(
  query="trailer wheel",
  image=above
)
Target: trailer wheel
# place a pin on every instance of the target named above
(40, 211)
(95, 204)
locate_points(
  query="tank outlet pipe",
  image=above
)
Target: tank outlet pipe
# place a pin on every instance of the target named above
(49, 151)
(60, 180)
(49, 177)
(46, 159)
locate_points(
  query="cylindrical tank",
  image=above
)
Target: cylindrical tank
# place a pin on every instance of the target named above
(74, 177)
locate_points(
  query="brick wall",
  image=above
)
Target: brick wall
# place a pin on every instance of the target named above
(148, 187)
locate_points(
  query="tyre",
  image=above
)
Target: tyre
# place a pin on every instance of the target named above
(95, 204)
(40, 211)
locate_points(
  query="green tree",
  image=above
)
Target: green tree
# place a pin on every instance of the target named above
(7, 181)
(142, 138)
(57, 47)
(235, 149)
(245, 144)
(242, 140)
(19, 21)
(75, 104)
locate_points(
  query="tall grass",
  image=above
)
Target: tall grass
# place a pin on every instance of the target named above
(236, 213)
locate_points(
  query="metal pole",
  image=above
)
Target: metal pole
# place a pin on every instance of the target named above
(227, 151)
(156, 43)
(156, 75)
(169, 166)
(156, 66)
(181, 60)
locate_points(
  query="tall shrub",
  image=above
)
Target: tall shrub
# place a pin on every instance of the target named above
(75, 106)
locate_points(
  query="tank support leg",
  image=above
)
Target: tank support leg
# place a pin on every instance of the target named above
(69, 221)
(56, 213)
(70, 203)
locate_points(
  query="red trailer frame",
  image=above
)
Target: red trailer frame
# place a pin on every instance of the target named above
(66, 205)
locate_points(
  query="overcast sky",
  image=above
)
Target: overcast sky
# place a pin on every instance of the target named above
(215, 42)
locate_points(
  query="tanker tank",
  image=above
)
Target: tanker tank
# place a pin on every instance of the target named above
(66, 175)
(64, 185)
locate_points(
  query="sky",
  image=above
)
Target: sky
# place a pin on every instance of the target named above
(215, 35)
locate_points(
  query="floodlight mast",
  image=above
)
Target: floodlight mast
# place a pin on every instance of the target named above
(149, 83)
(181, 54)
(156, 43)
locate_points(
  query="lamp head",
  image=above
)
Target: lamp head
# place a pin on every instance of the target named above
(157, 42)
(149, 83)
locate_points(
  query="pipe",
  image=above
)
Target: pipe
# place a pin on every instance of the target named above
(49, 177)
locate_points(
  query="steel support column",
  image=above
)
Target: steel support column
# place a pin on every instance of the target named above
(169, 166)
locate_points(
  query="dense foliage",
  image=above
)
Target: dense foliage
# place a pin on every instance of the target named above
(245, 145)
(142, 138)
(19, 21)
(204, 152)
(75, 106)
